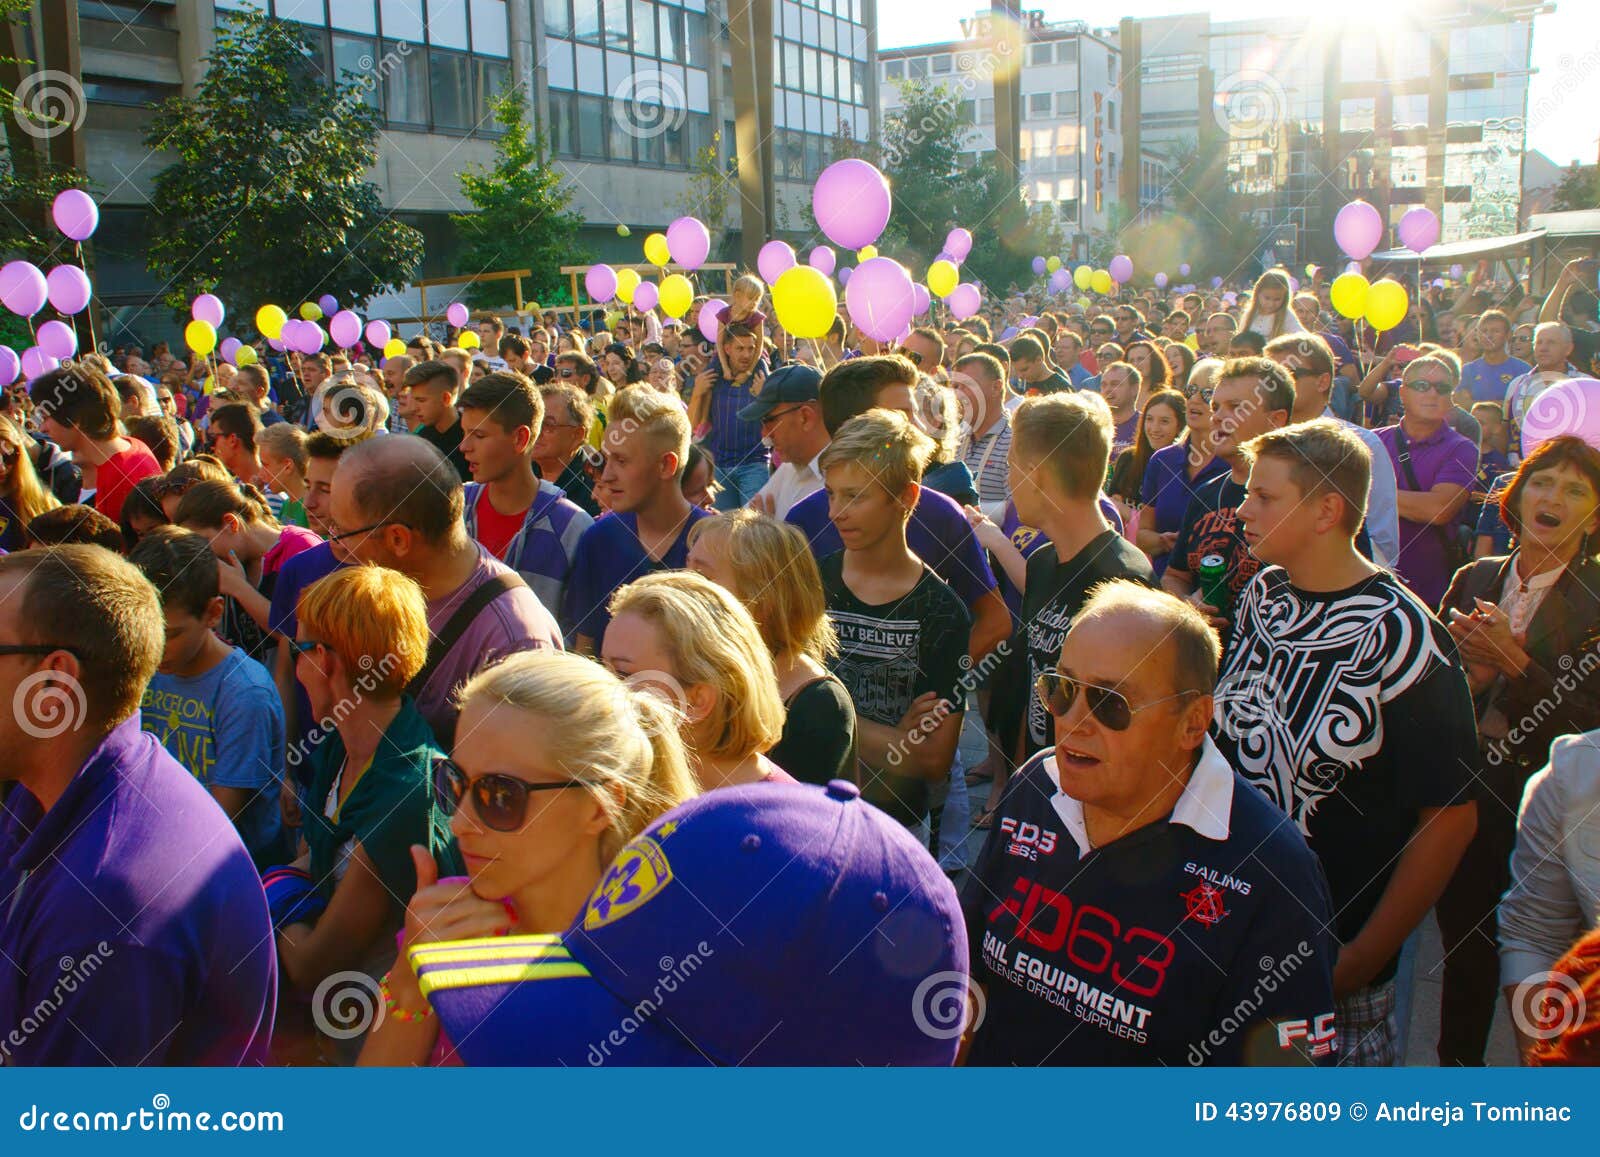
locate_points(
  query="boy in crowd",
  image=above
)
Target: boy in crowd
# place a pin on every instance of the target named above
(1490, 376)
(434, 386)
(78, 410)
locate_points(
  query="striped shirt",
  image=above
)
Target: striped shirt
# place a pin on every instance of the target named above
(986, 458)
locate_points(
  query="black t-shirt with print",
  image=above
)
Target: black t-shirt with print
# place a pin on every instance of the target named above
(1054, 594)
(889, 655)
(1163, 947)
(1211, 526)
(1349, 710)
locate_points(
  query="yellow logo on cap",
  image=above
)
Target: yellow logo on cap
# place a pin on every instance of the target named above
(638, 873)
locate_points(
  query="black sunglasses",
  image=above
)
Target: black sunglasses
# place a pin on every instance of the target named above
(1109, 708)
(500, 800)
(342, 535)
(1202, 392)
(1423, 385)
(913, 355)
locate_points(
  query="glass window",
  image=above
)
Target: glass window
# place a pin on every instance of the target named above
(791, 65)
(671, 32)
(813, 157)
(558, 64)
(986, 110)
(1038, 105)
(644, 27)
(620, 128)
(808, 60)
(586, 20)
(354, 64)
(967, 112)
(447, 24)
(917, 67)
(451, 87)
(672, 142)
(559, 129)
(894, 69)
(828, 76)
(1041, 53)
(616, 24)
(591, 127)
(488, 82)
(405, 89)
(858, 82)
(1066, 104)
(353, 15)
(1360, 59)
(557, 18)
(1066, 52)
(697, 40)
(490, 36)
(304, 11)
(827, 39)
(315, 41)
(1111, 115)
(940, 65)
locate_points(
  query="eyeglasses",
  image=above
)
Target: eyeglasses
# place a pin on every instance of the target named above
(1102, 331)
(566, 372)
(772, 418)
(1437, 385)
(342, 535)
(305, 646)
(38, 649)
(500, 800)
(1109, 708)
(1202, 392)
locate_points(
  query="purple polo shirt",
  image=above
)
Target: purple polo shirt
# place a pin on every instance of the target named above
(1444, 457)
(132, 909)
(1167, 487)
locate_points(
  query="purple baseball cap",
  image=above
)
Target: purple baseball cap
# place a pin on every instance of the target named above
(760, 925)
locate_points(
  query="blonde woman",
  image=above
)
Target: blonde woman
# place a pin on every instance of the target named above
(768, 566)
(557, 765)
(22, 495)
(682, 635)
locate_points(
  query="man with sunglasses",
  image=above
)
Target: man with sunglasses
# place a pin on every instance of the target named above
(1343, 702)
(1435, 468)
(924, 346)
(1136, 903)
(791, 425)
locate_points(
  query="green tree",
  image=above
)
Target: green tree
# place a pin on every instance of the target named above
(712, 186)
(1206, 225)
(1007, 233)
(524, 218)
(922, 144)
(1579, 189)
(264, 201)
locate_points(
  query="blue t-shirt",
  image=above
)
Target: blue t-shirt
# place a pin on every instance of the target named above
(938, 534)
(226, 728)
(1489, 383)
(733, 442)
(610, 555)
(1489, 520)
(1168, 487)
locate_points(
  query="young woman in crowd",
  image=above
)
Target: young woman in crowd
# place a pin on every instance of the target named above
(1269, 314)
(1155, 374)
(22, 495)
(1180, 360)
(142, 512)
(689, 639)
(1161, 423)
(769, 566)
(557, 765)
(282, 447)
(172, 486)
(938, 415)
(1174, 473)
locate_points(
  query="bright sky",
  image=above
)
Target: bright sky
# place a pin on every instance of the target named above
(1563, 103)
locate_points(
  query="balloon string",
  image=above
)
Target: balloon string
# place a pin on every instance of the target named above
(93, 340)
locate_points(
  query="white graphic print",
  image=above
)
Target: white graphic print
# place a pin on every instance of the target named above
(1320, 673)
(878, 663)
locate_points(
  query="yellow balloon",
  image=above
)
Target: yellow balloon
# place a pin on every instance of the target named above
(1100, 281)
(1386, 304)
(200, 336)
(1083, 303)
(467, 339)
(393, 348)
(311, 311)
(270, 319)
(943, 277)
(677, 295)
(1311, 270)
(627, 282)
(1348, 293)
(1082, 276)
(655, 249)
(1052, 264)
(866, 253)
(804, 301)
(245, 356)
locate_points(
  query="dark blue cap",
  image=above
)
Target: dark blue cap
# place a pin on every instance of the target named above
(790, 385)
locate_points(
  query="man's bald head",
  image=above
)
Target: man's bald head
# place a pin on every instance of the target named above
(401, 479)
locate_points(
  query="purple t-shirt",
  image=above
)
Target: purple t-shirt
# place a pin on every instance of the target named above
(515, 621)
(136, 888)
(1168, 487)
(1443, 458)
(938, 534)
(294, 577)
(1490, 383)
(609, 556)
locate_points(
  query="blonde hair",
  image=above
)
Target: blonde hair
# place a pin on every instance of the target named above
(747, 289)
(775, 575)
(1272, 278)
(1070, 434)
(712, 639)
(660, 417)
(373, 618)
(28, 495)
(285, 440)
(602, 731)
(885, 444)
(1323, 457)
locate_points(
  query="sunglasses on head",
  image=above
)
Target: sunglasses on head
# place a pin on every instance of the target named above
(500, 800)
(1110, 708)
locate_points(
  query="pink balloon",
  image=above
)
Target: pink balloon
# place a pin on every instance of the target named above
(208, 307)
(964, 301)
(1121, 268)
(10, 365)
(958, 244)
(229, 349)
(1569, 407)
(881, 298)
(688, 242)
(1161, 280)
(68, 289)
(75, 214)
(1183, 270)
(851, 202)
(36, 363)
(378, 334)
(1358, 229)
(710, 320)
(345, 328)
(921, 299)
(775, 258)
(1419, 229)
(22, 288)
(844, 275)
(646, 296)
(823, 260)
(58, 339)
(456, 315)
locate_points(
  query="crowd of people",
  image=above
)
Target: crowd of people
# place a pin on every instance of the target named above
(1155, 666)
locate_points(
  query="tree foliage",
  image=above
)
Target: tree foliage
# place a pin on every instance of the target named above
(711, 188)
(524, 218)
(1207, 224)
(1579, 189)
(265, 200)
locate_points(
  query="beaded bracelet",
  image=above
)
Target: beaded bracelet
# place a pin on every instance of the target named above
(392, 1007)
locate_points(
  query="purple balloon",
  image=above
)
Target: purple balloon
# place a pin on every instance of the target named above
(229, 349)
(964, 301)
(1216, 283)
(36, 363)
(844, 275)
(1161, 280)
(345, 328)
(881, 298)
(958, 243)
(1121, 268)
(1419, 229)
(277, 343)
(306, 338)
(10, 365)
(208, 307)
(58, 339)
(646, 296)
(68, 289)
(456, 314)
(1039, 266)
(22, 288)
(775, 259)
(851, 202)
(923, 299)
(823, 260)
(710, 319)
(75, 214)
(600, 283)
(1455, 272)
(1183, 270)
(1060, 280)
(1569, 407)
(688, 242)
(378, 334)
(1358, 228)
(328, 304)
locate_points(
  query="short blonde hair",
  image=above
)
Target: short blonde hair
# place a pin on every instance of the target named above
(1069, 433)
(660, 417)
(287, 441)
(712, 639)
(775, 575)
(621, 742)
(373, 618)
(1324, 457)
(885, 444)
